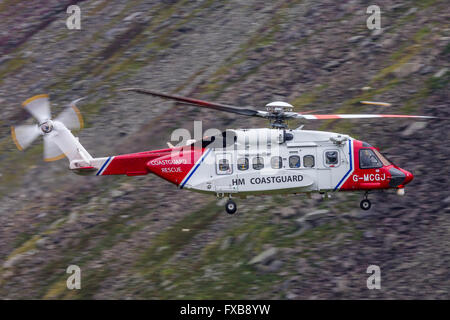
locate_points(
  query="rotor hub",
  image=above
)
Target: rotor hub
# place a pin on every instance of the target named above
(279, 107)
(277, 113)
(46, 126)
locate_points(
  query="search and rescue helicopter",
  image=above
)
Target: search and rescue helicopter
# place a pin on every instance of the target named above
(236, 162)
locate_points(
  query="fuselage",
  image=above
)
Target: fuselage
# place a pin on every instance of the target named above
(264, 161)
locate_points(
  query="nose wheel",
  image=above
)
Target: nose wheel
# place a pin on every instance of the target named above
(365, 204)
(230, 207)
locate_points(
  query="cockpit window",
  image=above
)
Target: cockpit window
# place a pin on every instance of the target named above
(383, 159)
(368, 159)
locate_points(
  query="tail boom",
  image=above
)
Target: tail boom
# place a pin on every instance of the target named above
(134, 164)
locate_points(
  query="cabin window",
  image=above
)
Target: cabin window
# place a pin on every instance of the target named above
(294, 162)
(276, 162)
(331, 158)
(258, 163)
(308, 161)
(368, 159)
(242, 164)
(224, 165)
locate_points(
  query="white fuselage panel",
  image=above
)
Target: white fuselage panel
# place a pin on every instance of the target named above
(260, 161)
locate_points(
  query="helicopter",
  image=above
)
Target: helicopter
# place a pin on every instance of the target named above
(235, 162)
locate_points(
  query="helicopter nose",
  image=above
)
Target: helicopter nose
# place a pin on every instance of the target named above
(399, 177)
(409, 176)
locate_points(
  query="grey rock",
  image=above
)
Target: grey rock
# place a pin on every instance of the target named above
(301, 222)
(287, 212)
(226, 243)
(407, 69)
(274, 266)
(291, 296)
(411, 11)
(440, 73)
(72, 217)
(332, 64)
(40, 244)
(368, 234)
(310, 220)
(377, 32)
(17, 259)
(132, 16)
(240, 238)
(388, 43)
(366, 43)
(117, 193)
(165, 283)
(341, 285)
(316, 215)
(264, 256)
(7, 274)
(160, 249)
(413, 128)
(112, 33)
(426, 70)
(4, 59)
(355, 39)
(221, 202)
(390, 241)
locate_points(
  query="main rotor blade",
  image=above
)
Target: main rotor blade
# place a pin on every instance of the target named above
(199, 103)
(310, 111)
(39, 107)
(358, 116)
(375, 103)
(24, 135)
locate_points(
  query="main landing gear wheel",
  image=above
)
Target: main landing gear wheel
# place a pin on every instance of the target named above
(365, 204)
(230, 207)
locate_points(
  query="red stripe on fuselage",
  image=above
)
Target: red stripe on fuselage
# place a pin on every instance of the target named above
(134, 163)
(175, 166)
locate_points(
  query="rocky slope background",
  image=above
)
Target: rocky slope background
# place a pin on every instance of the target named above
(140, 237)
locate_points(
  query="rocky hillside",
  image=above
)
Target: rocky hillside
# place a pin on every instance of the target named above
(140, 237)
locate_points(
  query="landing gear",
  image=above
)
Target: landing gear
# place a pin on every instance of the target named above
(230, 207)
(365, 203)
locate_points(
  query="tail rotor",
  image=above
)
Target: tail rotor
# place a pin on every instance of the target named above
(39, 107)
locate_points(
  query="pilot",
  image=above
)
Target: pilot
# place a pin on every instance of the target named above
(365, 159)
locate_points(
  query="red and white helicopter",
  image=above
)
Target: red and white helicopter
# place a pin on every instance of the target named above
(237, 162)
